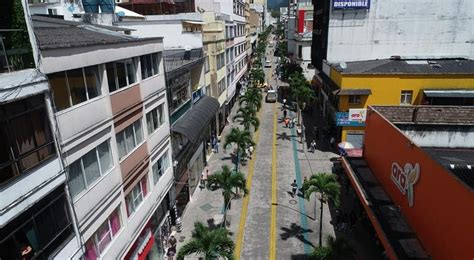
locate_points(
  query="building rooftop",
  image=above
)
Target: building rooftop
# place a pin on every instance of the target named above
(431, 115)
(55, 33)
(459, 162)
(407, 66)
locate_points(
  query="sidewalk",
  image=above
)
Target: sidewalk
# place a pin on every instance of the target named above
(205, 204)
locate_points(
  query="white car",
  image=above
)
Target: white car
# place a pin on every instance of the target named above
(268, 64)
(271, 96)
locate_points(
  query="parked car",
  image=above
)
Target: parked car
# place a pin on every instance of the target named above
(271, 96)
(268, 64)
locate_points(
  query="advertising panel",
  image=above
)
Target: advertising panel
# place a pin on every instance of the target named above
(357, 114)
(350, 4)
(342, 119)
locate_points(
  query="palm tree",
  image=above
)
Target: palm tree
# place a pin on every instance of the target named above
(300, 90)
(328, 188)
(334, 250)
(252, 98)
(212, 243)
(227, 181)
(257, 75)
(247, 117)
(242, 138)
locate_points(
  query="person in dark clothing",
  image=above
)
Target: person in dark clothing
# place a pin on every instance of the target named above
(294, 188)
(284, 113)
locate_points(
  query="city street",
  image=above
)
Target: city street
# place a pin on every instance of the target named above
(269, 223)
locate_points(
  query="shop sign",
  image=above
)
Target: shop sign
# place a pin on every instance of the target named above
(405, 178)
(357, 115)
(197, 95)
(342, 119)
(351, 4)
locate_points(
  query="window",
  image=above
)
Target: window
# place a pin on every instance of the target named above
(220, 59)
(99, 241)
(41, 229)
(406, 97)
(27, 139)
(87, 169)
(73, 87)
(160, 167)
(129, 138)
(300, 51)
(206, 64)
(155, 119)
(136, 195)
(221, 85)
(121, 73)
(354, 99)
(150, 64)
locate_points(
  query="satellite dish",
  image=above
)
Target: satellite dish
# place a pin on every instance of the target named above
(343, 65)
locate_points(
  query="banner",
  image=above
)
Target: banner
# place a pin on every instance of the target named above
(342, 119)
(357, 115)
(351, 4)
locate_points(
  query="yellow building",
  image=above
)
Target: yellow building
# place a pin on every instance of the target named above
(213, 37)
(350, 87)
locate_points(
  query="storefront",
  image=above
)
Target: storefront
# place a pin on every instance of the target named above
(152, 242)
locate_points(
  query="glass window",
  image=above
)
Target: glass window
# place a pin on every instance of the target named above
(27, 138)
(99, 241)
(131, 76)
(121, 73)
(58, 83)
(160, 167)
(92, 81)
(129, 138)
(136, 195)
(406, 97)
(91, 167)
(354, 99)
(150, 64)
(87, 169)
(111, 76)
(154, 119)
(75, 79)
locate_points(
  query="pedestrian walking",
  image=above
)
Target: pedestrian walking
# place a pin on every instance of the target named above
(284, 113)
(313, 146)
(216, 147)
(293, 122)
(204, 175)
(287, 122)
(294, 188)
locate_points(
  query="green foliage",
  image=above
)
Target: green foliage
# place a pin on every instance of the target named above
(325, 184)
(275, 14)
(257, 75)
(334, 250)
(300, 89)
(231, 184)
(246, 116)
(212, 243)
(241, 138)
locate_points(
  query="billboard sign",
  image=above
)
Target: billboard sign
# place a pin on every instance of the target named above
(357, 115)
(342, 119)
(350, 4)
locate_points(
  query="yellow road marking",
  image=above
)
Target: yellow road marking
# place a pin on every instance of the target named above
(274, 187)
(245, 202)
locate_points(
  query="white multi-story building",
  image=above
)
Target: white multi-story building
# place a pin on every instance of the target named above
(110, 104)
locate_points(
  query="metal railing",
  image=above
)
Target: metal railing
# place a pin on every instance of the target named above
(177, 59)
(15, 50)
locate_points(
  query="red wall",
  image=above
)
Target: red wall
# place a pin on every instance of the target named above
(443, 210)
(300, 21)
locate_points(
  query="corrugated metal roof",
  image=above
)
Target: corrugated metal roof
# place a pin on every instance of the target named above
(430, 115)
(451, 93)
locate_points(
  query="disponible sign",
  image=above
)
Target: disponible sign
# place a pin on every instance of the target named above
(351, 4)
(343, 119)
(405, 178)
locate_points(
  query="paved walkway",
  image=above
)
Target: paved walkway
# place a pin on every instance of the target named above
(275, 225)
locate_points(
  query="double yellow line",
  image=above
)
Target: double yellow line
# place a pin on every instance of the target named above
(273, 206)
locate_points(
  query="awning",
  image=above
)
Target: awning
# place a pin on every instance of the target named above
(451, 93)
(197, 118)
(22, 84)
(348, 92)
(194, 22)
